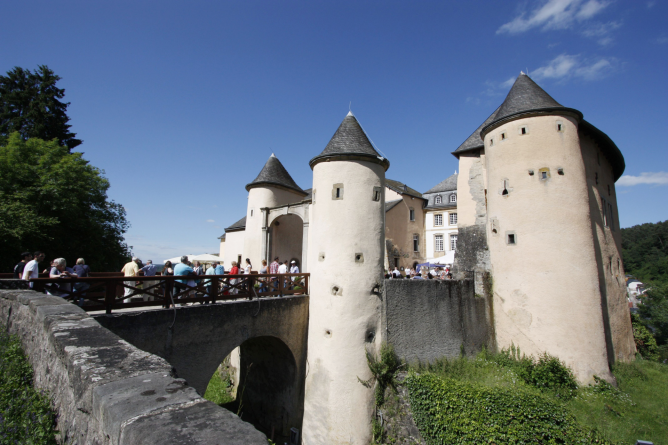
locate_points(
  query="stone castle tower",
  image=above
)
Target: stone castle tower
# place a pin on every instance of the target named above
(538, 213)
(346, 252)
(273, 187)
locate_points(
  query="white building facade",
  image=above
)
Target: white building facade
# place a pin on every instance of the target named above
(440, 224)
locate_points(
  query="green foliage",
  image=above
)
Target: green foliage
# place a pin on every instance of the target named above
(654, 310)
(645, 341)
(645, 251)
(25, 414)
(383, 371)
(453, 412)
(218, 390)
(30, 105)
(55, 201)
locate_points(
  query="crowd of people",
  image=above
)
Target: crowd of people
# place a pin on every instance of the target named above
(29, 268)
(440, 273)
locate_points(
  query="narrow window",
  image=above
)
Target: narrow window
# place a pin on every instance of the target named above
(453, 242)
(376, 194)
(511, 238)
(604, 211)
(491, 142)
(251, 212)
(438, 243)
(438, 219)
(543, 175)
(416, 243)
(523, 130)
(453, 197)
(438, 199)
(337, 191)
(313, 197)
(503, 136)
(596, 177)
(505, 188)
(411, 214)
(453, 219)
(560, 126)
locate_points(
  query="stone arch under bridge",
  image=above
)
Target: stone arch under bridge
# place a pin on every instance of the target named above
(277, 238)
(271, 334)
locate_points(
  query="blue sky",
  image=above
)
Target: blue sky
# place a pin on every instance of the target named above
(181, 103)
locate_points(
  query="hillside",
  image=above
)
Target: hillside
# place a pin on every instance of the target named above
(645, 251)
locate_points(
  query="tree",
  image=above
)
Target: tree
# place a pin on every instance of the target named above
(30, 105)
(55, 201)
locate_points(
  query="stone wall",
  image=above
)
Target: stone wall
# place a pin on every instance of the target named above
(428, 319)
(106, 391)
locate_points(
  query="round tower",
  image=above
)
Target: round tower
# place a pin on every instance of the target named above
(273, 187)
(346, 251)
(542, 209)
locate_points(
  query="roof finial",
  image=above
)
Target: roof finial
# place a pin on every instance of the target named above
(350, 111)
(522, 72)
(272, 155)
(455, 171)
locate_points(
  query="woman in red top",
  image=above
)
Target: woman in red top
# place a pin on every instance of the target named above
(234, 271)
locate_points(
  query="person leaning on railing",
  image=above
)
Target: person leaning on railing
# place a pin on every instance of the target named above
(60, 270)
(263, 281)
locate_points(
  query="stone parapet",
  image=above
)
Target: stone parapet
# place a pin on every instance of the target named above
(106, 391)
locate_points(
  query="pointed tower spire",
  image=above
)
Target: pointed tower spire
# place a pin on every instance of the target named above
(274, 174)
(350, 142)
(527, 97)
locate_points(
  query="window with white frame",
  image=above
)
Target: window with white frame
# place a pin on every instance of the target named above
(453, 219)
(416, 243)
(453, 242)
(438, 243)
(438, 199)
(438, 219)
(453, 197)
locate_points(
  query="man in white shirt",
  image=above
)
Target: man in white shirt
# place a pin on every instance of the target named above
(32, 268)
(283, 268)
(293, 267)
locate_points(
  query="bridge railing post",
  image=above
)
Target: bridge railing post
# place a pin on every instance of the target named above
(213, 289)
(109, 295)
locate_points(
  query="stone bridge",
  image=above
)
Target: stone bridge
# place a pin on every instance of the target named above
(271, 334)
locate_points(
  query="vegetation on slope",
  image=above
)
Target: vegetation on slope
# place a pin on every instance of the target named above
(25, 414)
(645, 251)
(507, 398)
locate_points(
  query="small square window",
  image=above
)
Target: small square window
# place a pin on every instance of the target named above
(511, 238)
(544, 173)
(376, 194)
(560, 126)
(453, 197)
(337, 191)
(524, 130)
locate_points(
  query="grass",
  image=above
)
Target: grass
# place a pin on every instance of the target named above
(218, 390)
(637, 409)
(25, 413)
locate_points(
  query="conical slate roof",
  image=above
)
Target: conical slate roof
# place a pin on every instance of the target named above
(526, 96)
(273, 173)
(474, 141)
(446, 185)
(350, 142)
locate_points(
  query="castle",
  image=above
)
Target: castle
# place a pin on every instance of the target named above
(535, 210)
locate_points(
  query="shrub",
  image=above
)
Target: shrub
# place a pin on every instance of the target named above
(383, 371)
(645, 341)
(450, 412)
(25, 414)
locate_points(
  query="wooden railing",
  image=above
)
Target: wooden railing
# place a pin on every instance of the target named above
(109, 292)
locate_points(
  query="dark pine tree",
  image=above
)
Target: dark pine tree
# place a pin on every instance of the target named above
(30, 105)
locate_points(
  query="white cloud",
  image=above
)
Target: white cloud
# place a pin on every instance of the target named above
(655, 178)
(661, 40)
(651, 4)
(564, 14)
(566, 66)
(210, 220)
(554, 14)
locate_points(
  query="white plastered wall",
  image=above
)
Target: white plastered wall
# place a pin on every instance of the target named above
(344, 313)
(446, 229)
(546, 289)
(234, 246)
